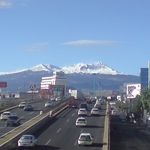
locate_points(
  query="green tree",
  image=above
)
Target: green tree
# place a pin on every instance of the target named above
(145, 98)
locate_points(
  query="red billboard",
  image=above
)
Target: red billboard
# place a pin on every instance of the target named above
(3, 84)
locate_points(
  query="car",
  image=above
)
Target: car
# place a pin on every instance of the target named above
(81, 122)
(22, 104)
(97, 105)
(28, 107)
(95, 111)
(72, 104)
(48, 104)
(85, 139)
(27, 141)
(82, 112)
(13, 120)
(58, 98)
(5, 115)
(84, 105)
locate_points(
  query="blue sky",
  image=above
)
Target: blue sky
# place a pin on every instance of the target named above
(66, 32)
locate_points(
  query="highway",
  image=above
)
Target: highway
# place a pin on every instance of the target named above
(26, 115)
(61, 132)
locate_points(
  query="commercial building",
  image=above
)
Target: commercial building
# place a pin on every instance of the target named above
(53, 86)
(144, 77)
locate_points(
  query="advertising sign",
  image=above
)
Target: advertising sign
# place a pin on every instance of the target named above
(133, 90)
(3, 84)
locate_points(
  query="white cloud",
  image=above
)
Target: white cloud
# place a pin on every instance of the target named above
(37, 47)
(91, 42)
(5, 3)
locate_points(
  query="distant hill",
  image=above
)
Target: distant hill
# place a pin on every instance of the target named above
(80, 76)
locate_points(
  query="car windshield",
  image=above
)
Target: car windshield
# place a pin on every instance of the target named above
(85, 138)
(81, 119)
(13, 117)
(26, 138)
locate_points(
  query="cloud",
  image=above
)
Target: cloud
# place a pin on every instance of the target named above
(91, 42)
(5, 3)
(37, 47)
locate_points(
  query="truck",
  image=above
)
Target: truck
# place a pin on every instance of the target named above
(76, 94)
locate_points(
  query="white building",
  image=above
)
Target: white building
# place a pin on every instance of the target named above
(54, 85)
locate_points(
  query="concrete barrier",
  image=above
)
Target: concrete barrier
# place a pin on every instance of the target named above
(9, 140)
(106, 136)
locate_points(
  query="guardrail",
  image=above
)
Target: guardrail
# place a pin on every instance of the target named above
(8, 141)
(106, 136)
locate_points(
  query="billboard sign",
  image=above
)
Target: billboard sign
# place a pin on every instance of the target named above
(3, 84)
(133, 90)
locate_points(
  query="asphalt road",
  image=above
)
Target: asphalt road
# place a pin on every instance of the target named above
(61, 132)
(127, 136)
(25, 115)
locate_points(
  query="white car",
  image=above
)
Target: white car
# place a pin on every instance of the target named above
(97, 105)
(5, 115)
(58, 98)
(85, 139)
(48, 104)
(95, 111)
(81, 122)
(22, 105)
(82, 112)
(27, 141)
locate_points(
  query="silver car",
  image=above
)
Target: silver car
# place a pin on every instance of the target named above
(27, 141)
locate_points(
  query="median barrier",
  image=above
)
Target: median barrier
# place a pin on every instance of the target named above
(106, 136)
(9, 140)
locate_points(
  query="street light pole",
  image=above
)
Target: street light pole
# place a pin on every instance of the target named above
(94, 74)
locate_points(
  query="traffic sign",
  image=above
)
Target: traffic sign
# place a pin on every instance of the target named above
(3, 84)
(32, 87)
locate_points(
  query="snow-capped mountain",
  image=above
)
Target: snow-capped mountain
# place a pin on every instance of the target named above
(99, 68)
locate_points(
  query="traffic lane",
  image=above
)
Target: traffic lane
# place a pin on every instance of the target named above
(25, 115)
(64, 134)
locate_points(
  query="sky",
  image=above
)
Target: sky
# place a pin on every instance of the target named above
(67, 32)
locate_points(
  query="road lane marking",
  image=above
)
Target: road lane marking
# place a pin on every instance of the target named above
(48, 142)
(68, 120)
(75, 142)
(81, 131)
(31, 113)
(58, 130)
(72, 114)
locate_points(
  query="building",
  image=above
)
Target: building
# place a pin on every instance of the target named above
(144, 77)
(53, 86)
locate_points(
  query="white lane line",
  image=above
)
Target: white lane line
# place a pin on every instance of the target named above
(48, 142)
(72, 114)
(68, 120)
(75, 142)
(81, 131)
(31, 112)
(58, 130)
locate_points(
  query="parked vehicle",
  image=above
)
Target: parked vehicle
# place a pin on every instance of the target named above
(85, 139)
(27, 141)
